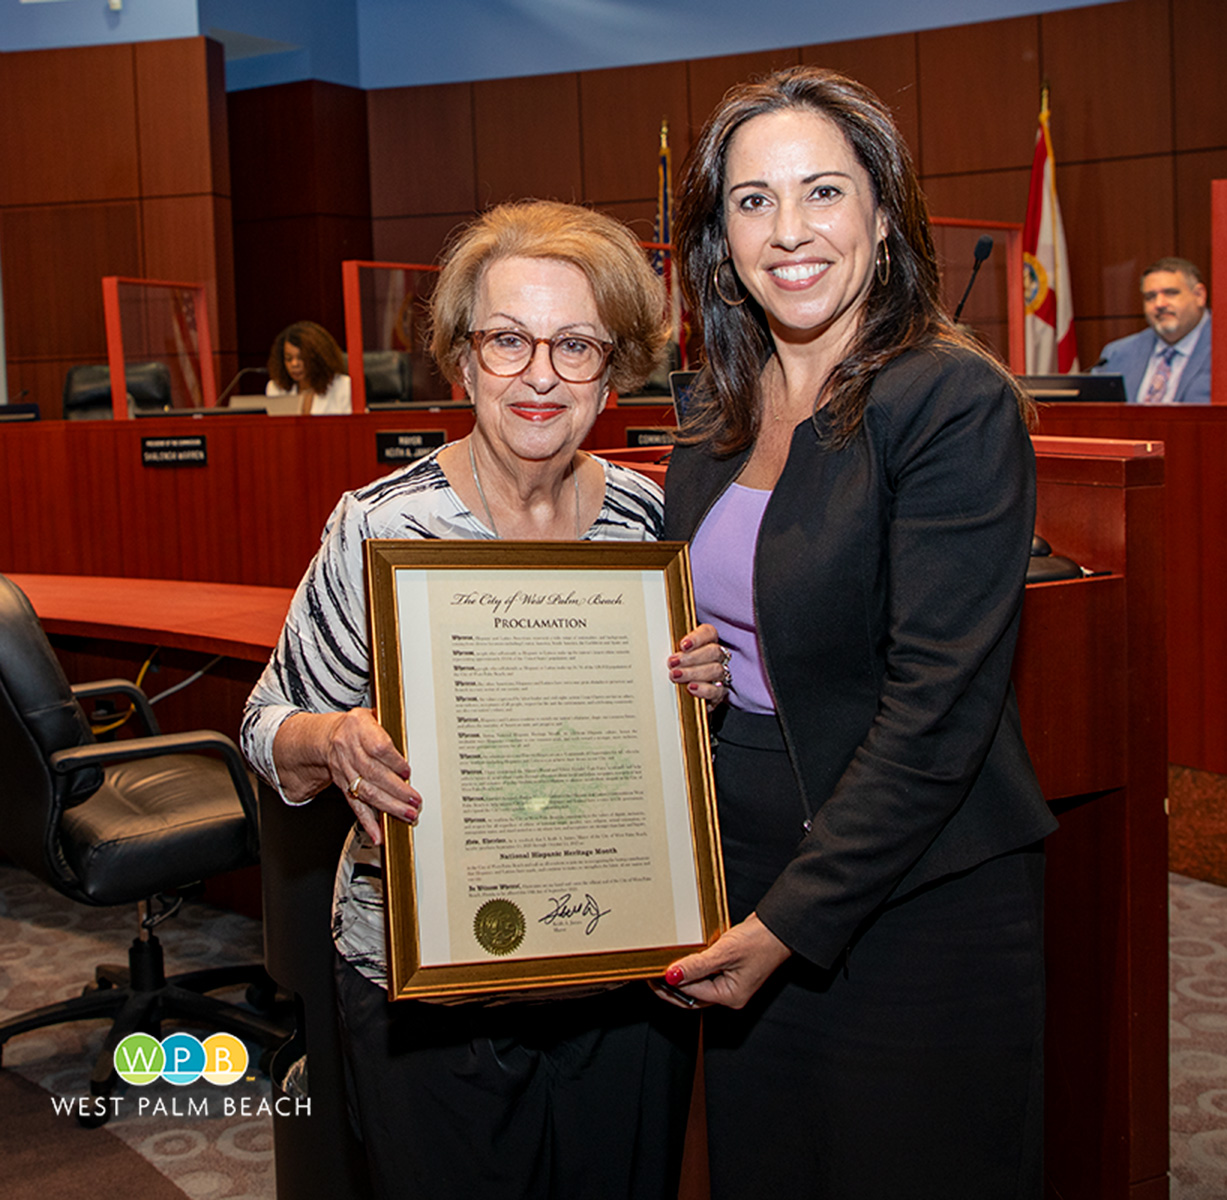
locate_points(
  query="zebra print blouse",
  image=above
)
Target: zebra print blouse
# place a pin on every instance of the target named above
(322, 660)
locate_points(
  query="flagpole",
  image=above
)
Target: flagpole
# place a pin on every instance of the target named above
(663, 258)
(1048, 323)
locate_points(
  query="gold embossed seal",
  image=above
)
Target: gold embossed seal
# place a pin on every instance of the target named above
(499, 926)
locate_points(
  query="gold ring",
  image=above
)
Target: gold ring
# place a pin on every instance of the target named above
(352, 790)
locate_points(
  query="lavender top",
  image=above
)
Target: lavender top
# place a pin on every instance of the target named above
(722, 560)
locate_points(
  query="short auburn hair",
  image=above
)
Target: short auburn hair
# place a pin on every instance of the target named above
(630, 296)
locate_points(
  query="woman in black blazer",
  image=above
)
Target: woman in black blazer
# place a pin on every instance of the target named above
(858, 484)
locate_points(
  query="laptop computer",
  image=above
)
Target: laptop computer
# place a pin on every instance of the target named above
(289, 405)
(1079, 389)
(19, 412)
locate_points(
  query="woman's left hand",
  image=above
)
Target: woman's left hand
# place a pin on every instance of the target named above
(728, 972)
(700, 665)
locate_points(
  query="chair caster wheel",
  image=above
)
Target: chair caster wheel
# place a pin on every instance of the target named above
(261, 996)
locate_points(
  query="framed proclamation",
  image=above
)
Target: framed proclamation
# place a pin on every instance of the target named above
(568, 832)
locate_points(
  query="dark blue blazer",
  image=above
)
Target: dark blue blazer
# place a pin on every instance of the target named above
(1129, 356)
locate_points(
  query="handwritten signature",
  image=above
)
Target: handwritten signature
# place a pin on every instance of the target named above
(563, 908)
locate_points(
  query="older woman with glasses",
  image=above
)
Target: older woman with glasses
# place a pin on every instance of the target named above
(540, 310)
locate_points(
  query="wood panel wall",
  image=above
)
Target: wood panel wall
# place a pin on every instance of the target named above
(1138, 127)
(121, 159)
(75, 499)
(113, 161)
(302, 205)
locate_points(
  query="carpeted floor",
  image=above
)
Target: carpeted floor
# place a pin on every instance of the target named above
(1198, 974)
(49, 947)
(46, 940)
(44, 1155)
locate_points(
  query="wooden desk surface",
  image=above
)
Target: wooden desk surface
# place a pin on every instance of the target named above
(244, 621)
(237, 620)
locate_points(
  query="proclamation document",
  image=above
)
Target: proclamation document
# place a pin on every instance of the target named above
(567, 834)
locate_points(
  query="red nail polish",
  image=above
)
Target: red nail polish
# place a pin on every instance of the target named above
(687, 644)
(674, 976)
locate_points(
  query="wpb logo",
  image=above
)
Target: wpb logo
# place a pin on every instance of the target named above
(180, 1059)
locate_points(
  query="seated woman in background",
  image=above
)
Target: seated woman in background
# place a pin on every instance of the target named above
(540, 310)
(305, 360)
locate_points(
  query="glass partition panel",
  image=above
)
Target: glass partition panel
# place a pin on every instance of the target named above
(993, 310)
(387, 336)
(682, 343)
(159, 348)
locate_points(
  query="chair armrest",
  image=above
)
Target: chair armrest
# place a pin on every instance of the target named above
(122, 687)
(196, 741)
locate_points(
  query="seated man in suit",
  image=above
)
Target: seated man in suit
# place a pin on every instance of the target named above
(1170, 362)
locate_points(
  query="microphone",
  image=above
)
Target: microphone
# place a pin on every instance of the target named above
(984, 247)
(225, 395)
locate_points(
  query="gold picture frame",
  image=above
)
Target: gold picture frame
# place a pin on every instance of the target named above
(568, 835)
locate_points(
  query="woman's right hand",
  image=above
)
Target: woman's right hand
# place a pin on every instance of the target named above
(352, 750)
(374, 776)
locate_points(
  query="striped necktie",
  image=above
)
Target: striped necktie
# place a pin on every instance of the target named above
(1158, 381)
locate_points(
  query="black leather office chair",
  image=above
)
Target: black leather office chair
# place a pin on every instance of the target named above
(87, 390)
(387, 377)
(123, 822)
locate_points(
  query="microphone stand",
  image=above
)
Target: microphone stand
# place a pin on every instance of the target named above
(984, 247)
(225, 394)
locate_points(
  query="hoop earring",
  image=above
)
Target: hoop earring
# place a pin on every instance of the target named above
(881, 263)
(715, 282)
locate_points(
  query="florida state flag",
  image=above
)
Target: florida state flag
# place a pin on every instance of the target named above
(1051, 348)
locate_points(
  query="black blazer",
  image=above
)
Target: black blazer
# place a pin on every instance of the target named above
(888, 587)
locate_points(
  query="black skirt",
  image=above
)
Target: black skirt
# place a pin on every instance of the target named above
(912, 1067)
(526, 1101)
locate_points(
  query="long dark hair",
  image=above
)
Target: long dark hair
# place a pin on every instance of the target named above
(902, 314)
